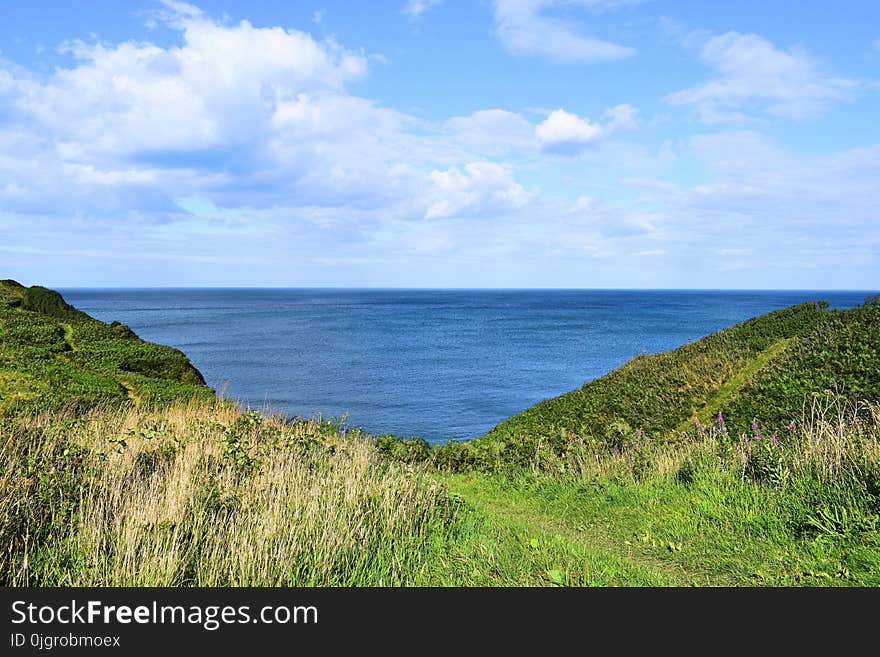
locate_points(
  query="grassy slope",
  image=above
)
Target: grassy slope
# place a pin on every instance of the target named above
(52, 354)
(202, 493)
(761, 369)
(180, 483)
(841, 353)
(682, 503)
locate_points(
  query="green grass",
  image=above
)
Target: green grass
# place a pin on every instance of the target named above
(511, 541)
(790, 509)
(841, 354)
(120, 467)
(716, 530)
(201, 493)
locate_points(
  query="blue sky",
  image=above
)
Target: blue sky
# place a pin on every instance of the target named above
(420, 143)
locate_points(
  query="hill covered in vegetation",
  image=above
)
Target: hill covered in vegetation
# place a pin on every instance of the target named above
(750, 457)
(755, 376)
(53, 354)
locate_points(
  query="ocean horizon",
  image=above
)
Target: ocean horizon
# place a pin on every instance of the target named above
(440, 363)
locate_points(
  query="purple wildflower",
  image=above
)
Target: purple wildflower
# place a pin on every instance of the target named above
(720, 421)
(615, 450)
(756, 430)
(775, 437)
(791, 425)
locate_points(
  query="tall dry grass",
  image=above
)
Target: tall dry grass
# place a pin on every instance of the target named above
(838, 438)
(207, 494)
(835, 440)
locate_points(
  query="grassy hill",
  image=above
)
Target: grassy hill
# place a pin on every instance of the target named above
(119, 467)
(53, 354)
(758, 372)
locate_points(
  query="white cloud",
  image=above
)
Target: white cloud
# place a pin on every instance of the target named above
(138, 97)
(621, 118)
(479, 188)
(524, 26)
(764, 206)
(261, 119)
(584, 204)
(134, 127)
(754, 75)
(564, 133)
(603, 222)
(415, 8)
(126, 131)
(180, 10)
(493, 132)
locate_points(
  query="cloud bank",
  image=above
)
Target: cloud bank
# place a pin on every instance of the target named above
(237, 153)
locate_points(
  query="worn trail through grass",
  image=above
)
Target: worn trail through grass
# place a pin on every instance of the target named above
(716, 402)
(68, 336)
(515, 512)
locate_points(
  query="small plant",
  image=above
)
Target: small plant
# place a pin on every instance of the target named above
(839, 521)
(119, 442)
(687, 473)
(766, 461)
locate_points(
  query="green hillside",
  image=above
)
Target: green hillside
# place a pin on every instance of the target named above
(632, 480)
(761, 370)
(52, 354)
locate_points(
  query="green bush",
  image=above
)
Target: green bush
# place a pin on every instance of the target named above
(405, 450)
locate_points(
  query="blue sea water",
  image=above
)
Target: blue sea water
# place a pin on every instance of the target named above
(435, 363)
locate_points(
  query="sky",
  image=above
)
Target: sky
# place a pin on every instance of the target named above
(441, 143)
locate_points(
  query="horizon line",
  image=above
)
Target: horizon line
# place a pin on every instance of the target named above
(453, 289)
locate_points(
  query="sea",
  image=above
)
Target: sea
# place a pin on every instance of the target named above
(440, 364)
